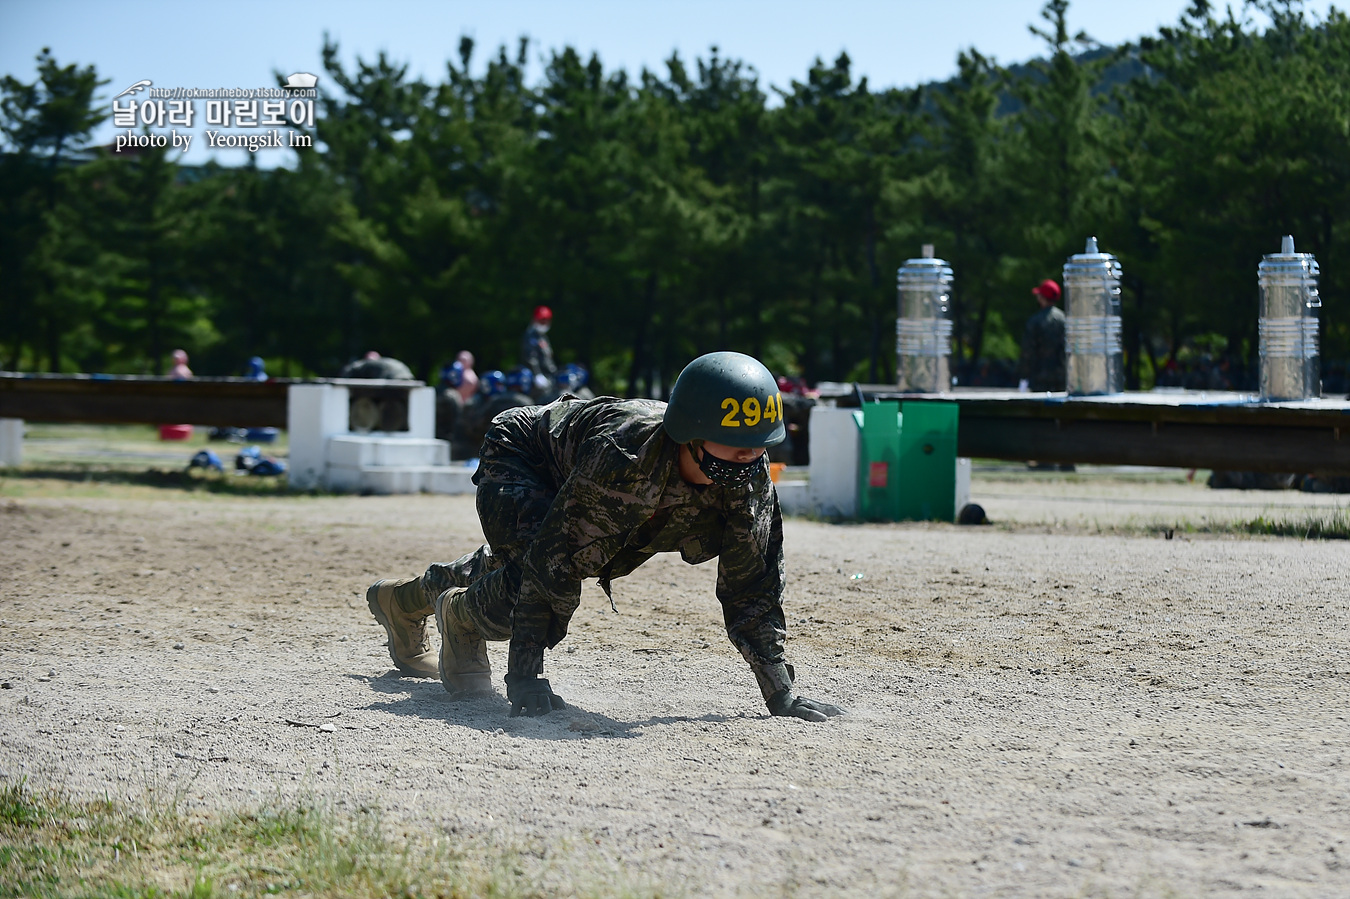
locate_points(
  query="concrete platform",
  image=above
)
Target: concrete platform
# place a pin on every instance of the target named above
(391, 479)
(364, 450)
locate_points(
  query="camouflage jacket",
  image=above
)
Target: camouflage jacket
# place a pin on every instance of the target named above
(1042, 360)
(536, 353)
(619, 501)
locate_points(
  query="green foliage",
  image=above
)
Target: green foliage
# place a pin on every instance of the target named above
(1334, 525)
(17, 808)
(662, 215)
(1237, 137)
(966, 197)
(45, 124)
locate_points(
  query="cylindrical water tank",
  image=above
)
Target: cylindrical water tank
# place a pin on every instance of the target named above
(1094, 364)
(1290, 368)
(923, 331)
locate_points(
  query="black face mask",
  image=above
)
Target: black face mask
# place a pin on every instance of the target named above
(725, 472)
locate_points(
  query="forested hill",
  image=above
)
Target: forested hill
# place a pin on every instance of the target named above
(1115, 69)
(664, 215)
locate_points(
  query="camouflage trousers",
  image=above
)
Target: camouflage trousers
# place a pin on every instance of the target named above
(512, 502)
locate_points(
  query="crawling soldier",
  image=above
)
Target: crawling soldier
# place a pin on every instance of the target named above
(594, 488)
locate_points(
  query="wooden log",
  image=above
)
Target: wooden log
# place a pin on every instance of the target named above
(1183, 429)
(214, 402)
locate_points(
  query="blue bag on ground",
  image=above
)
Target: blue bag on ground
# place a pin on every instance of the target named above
(206, 459)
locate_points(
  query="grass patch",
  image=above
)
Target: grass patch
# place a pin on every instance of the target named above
(52, 847)
(125, 438)
(1331, 524)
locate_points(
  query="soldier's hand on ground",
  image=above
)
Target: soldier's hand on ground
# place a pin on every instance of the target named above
(784, 704)
(531, 696)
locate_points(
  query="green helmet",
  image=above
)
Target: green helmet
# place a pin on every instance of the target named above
(728, 398)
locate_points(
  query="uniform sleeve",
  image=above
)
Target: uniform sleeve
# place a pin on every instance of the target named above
(586, 526)
(527, 351)
(750, 584)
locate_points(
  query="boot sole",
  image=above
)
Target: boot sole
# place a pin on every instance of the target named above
(373, 602)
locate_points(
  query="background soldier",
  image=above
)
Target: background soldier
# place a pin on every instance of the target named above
(474, 417)
(1041, 364)
(450, 401)
(796, 450)
(536, 353)
(179, 370)
(594, 488)
(373, 365)
(468, 378)
(571, 378)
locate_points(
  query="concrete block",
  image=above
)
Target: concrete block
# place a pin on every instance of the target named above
(11, 441)
(388, 481)
(794, 497)
(360, 450)
(314, 413)
(422, 412)
(343, 479)
(400, 479)
(325, 452)
(455, 479)
(835, 445)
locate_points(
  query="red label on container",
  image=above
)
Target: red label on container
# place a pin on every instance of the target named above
(878, 474)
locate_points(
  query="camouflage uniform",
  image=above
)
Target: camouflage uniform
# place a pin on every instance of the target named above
(536, 353)
(591, 488)
(1041, 363)
(476, 417)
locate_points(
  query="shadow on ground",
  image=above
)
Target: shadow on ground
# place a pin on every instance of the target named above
(163, 478)
(489, 714)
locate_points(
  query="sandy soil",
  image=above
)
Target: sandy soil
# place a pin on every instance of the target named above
(1031, 714)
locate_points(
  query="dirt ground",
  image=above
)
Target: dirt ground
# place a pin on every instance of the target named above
(1033, 711)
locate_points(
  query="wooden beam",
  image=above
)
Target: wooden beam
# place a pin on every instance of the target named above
(1190, 429)
(105, 399)
(1173, 444)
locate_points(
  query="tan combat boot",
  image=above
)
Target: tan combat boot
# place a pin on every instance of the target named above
(464, 665)
(409, 636)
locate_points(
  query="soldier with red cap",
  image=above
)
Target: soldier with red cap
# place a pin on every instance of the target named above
(536, 353)
(1041, 364)
(179, 371)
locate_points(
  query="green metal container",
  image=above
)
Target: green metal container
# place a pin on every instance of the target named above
(927, 461)
(879, 471)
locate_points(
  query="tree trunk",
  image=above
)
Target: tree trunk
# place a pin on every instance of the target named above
(874, 363)
(721, 316)
(1136, 337)
(958, 308)
(874, 274)
(811, 367)
(756, 284)
(977, 340)
(640, 368)
(53, 342)
(153, 314)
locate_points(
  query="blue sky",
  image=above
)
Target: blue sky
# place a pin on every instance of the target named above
(241, 43)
